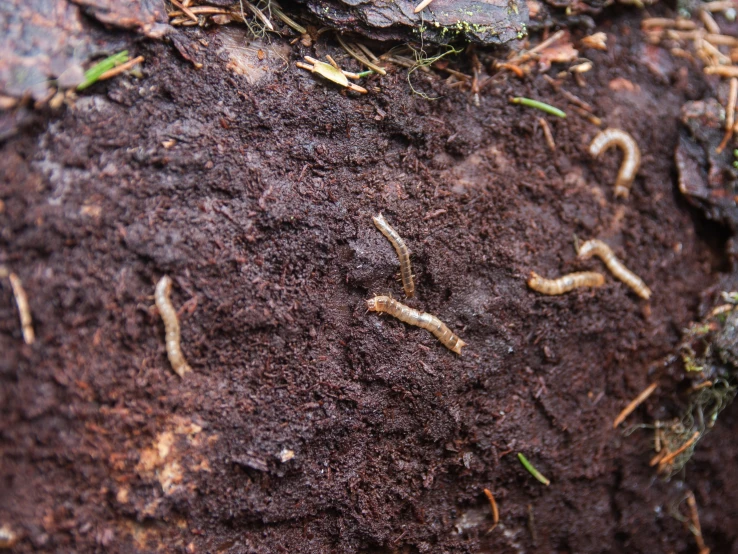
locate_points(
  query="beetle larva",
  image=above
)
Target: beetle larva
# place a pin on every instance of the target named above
(419, 319)
(403, 253)
(171, 326)
(631, 157)
(565, 283)
(598, 248)
(21, 299)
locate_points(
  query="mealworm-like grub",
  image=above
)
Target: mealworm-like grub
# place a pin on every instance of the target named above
(631, 157)
(171, 326)
(598, 248)
(21, 299)
(403, 253)
(423, 320)
(565, 283)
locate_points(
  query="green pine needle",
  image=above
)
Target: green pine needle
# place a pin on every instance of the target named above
(537, 105)
(533, 471)
(93, 74)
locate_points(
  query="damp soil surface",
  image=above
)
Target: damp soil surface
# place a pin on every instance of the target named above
(255, 194)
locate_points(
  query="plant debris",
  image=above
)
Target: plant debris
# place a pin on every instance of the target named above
(532, 470)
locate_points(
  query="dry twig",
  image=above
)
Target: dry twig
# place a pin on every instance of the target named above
(187, 11)
(358, 57)
(121, 68)
(547, 133)
(670, 457)
(493, 506)
(420, 7)
(729, 114)
(634, 404)
(696, 528)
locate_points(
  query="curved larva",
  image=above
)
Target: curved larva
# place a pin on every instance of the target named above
(565, 283)
(403, 253)
(631, 157)
(419, 319)
(598, 248)
(21, 299)
(171, 326)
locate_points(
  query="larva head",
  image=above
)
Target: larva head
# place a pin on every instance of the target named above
(371, 304)
(164, 286)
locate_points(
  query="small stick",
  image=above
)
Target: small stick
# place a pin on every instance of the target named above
(730, 114)
(457, 74)
(532, 525)
(202, 10)
(258, 13)
(21, 299)
(288, 20)
(634, 404)
(668, 459)
(545, 44)
(657, 458)
(533, 471)
(121, 68)
(187, 11)
(402, 61)
(547, 133)
(702, 385)
(568, 95)
(420, 7)
(514, 68)
(696, 527)
(495, 512)
(538, 105)
(367, 52)
(358, 57)
(593, 119)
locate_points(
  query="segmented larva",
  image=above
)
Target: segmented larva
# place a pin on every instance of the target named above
(171, 326)
(598, 248)
(419, 319)
(403, 253)
(565, 283)
(631, 157)
(21, 299)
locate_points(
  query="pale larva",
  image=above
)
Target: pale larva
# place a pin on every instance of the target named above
(598, 248)
(403, 253)
(565, 283)
(171, 326)
(21, 299)
(419, 319)
(631, 157)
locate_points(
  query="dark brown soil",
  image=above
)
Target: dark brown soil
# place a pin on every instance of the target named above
(261, 213)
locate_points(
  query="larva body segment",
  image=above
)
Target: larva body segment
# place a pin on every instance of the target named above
(598, 248)
(171, 326)
(403, 253)
(566, 283)
(631, 157)
(423, 320)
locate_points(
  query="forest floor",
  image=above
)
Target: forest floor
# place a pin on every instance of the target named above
(255, 193)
